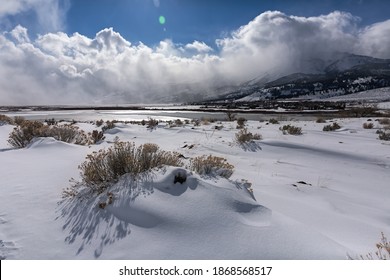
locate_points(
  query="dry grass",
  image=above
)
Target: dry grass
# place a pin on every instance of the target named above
(382, 252)
(104, 168)
(211, 166)
(244, 136)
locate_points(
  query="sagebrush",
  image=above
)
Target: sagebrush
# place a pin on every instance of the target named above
(211, 165)
(331, 127)
(23, 134)
(244, 136)
(290, 129)
(103, 168)
(6, 120)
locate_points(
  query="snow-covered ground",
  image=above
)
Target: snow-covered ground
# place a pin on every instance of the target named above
(320, 195)
(373, 95)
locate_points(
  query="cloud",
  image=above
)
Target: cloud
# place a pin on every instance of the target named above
(57, 68)
(200, 47)
(374, 40)
(49, 14)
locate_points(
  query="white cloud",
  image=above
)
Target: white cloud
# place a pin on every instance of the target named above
(50, 14)
(57, 68)
(374, 40)
(200, 47)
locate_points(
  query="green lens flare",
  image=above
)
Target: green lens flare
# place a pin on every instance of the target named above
(161, 19)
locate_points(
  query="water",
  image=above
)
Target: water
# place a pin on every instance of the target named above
(138, 115)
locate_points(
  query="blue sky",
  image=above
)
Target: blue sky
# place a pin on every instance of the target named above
(186, 20)
(82, 51)
(202, 20)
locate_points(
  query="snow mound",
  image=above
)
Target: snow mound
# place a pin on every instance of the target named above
(48, 142)
(196, 208)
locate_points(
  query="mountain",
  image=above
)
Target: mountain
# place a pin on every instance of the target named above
(343, 74)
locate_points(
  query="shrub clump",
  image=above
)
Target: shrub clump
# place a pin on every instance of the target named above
(368, 125)
(104, 168)
(99, 123)
(273, 121)
(331, 127)
(6, 120)
(211, 165)
(96, 136)
(241, 122)
(290, 129)
(244, 136)
(384, 121)
(382, 252)
(383, 135)
(320, 120)
(23, 134)
(108, 125)
(152, 123)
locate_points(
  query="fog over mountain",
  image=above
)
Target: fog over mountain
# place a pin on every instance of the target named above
(57, 68)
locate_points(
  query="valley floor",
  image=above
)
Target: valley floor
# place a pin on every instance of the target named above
(319, 195)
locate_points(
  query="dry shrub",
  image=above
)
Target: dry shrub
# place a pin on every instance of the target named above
(230, 116)
(196, 122)
(290, 129)
(22, 135)
(19, 120)
(331, 127)
(108, 125)
(51, 121)
(384, 135)
(320, 120)
(244, 136)
(273, 121)
(104, 168)
(211, 165)
(96, 136)
(66, 133)
(152, 123)
(384, 121)
(6, 120)
(99, 123)
(382, 252)
(241, 122)
(368, 125)
(205, 121)
(178, 122)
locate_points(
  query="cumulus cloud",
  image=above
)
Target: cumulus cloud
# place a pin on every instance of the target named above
(200, 47)
(57, 68)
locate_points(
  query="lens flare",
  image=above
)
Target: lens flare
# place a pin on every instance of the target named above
(161, 19)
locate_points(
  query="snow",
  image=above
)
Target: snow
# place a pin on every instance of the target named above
(320, 195)
(373, 95)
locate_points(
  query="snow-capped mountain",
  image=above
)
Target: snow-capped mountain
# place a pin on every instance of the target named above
(343, 74)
